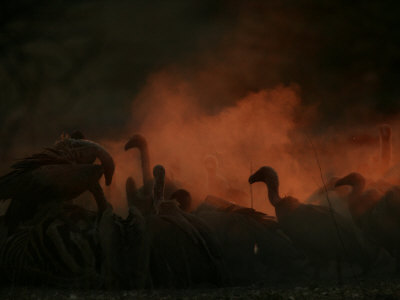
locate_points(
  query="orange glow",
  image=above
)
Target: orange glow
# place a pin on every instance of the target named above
(262, 128)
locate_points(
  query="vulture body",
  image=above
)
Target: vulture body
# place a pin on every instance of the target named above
(337, 198)
(323, 235)
(57, 243)
(377, 213)
(183, 250)
(52, 177)
(142, 197)
(124, 245)
(253, 246)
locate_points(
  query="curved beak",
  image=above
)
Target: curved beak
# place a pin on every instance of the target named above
(136, 140)
(347, 180)
(89, 151)
(129, 145)
(252, 179)
(341, 182)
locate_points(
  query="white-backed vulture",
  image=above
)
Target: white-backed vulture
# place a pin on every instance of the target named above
(52, 177)
(184, 251)
(141, 197)
(336, 197)
(254, 248)
(323, 235)
(376, 212)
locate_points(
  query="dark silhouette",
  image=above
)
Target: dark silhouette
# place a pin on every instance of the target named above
(184, 250)
(254, 247)
(312, 228)
(377, 213)
(53, 176)
(141, 197)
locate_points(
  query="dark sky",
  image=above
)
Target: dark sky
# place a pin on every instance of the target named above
(81, 64)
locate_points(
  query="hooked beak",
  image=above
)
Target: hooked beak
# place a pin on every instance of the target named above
(88, 152)
(136, 140)
(252, 179)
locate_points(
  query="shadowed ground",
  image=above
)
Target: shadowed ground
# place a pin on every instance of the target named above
(360, 290)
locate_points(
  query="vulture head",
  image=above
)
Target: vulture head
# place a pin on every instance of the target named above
(183, 198)
(269, 176)
(355, 180)
(136, 141)
(77, 134)
(265, 174)
(80, 151)
(159, 172)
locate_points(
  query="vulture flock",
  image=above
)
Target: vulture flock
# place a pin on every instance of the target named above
(166, 242)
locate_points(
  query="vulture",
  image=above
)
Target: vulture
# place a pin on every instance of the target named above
(183, 198)
(141, 197)
(53, 176)
(71, 246)
(123, 243)
(339, 196)
(254, 247)
(336, 198)
(183, 250)
(376, 212)
(321, 234)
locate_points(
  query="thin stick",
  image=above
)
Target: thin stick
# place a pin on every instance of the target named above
(329, 202)
(251, 186)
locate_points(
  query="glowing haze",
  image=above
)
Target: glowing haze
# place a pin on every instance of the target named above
(181, 134)
(261, 128)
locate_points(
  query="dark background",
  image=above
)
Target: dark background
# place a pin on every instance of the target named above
(81, 64)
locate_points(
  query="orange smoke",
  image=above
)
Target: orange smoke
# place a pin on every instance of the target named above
(262, 128)
(181, 134)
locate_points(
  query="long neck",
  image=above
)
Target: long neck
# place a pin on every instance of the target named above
(355, 203)
(273, 192)
(101, 200)
(131, 191)
(158, 191)
(145, 158)
(357, 189)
